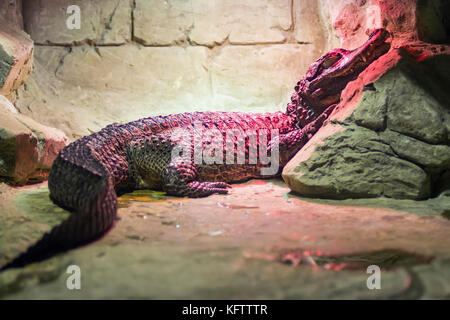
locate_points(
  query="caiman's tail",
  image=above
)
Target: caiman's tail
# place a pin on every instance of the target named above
(87, 191)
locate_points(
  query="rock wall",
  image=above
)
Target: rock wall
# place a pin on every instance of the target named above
(27, 148)
(136, 58)
(349, 21)
(11, 12)
(392, 139)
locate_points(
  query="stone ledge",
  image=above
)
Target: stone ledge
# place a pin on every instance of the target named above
(392, 141)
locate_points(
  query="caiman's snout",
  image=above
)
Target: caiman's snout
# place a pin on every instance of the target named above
(348, 64)
(377, 45)
(378, 36)
(329, 75)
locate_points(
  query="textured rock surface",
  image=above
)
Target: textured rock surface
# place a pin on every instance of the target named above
(355, 163)
(395, 142)
(348, 21)
(264, 79)
(82, 89)
(309, 25)
(16, 58)
(148, 58)
(102, 22)
(11, 12)
(210, 22)
(239, 246)
(27, 148)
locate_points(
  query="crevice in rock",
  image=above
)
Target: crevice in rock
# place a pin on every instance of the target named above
(414, 137)
(137, 40)
(108, 23)
(292, 28)
(133, 7)
(380, 140)
(97, 51)
(85, 42)
(61, 61)
(187, 35)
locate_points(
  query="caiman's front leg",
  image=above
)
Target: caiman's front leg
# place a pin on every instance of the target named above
(179, 180)
(290, 143)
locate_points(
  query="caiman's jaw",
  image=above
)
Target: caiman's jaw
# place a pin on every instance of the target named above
(328, 76)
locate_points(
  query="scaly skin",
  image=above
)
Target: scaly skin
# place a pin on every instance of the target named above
(328, 76)
(88, 173)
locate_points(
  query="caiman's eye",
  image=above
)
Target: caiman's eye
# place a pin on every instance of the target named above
(332, 59)
(323, 63)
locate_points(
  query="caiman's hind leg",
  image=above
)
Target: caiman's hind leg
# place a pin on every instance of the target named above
(179, 180)
(151, 166)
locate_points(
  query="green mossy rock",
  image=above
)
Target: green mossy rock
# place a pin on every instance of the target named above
(6, 63)
(395, 143)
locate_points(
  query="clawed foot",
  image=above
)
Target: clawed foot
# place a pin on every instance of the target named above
(314, 126)
(203, 189)
(196, 189)
(179, 180)
(324, 116)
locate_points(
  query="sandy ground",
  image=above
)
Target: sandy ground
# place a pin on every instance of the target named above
(260, 241)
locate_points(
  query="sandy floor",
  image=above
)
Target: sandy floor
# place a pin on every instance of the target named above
(259, 241)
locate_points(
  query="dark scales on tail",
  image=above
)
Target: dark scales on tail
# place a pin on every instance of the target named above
(88, 173)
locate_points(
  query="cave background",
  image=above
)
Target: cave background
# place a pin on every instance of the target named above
(141, 58)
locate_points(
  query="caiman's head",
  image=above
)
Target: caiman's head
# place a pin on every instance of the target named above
(328, 76)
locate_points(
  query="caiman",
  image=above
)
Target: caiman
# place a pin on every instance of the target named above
(88, 174)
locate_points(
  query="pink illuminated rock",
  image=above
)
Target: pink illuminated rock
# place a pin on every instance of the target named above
(27, 148)
(408, 20)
